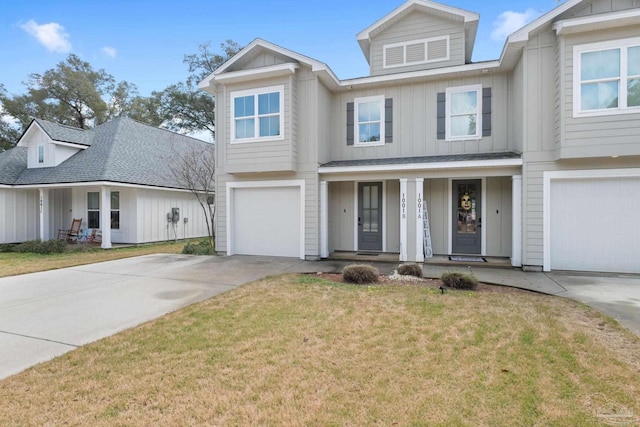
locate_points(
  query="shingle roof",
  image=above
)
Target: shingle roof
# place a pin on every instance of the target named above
(424, 159)
(64, 133)
(122, 150)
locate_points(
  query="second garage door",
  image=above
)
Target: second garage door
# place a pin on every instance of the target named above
(266, 221)
(595, 225)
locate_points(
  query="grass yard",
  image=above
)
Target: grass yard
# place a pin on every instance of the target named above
(300, 350)
(12, 263)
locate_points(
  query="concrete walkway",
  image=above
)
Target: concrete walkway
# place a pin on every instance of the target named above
(44, 315)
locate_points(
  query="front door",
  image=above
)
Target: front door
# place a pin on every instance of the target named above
(467, 223)
(370, 216)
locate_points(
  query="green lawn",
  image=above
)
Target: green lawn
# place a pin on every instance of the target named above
(302, 351)
(12, 264)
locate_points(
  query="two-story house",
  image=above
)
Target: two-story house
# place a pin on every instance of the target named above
(534, 156)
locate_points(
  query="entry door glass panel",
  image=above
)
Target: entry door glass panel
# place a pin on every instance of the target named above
(370, 216)
(467, 223)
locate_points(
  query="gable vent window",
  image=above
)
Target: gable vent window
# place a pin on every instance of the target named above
(416, 52)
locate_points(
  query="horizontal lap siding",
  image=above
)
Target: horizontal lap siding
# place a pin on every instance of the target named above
(603, 135)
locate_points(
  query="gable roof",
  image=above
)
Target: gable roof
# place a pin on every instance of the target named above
(470, 20)
(257, 46)
(120, 151)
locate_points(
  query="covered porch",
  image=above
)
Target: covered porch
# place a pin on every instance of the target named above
(421, 209)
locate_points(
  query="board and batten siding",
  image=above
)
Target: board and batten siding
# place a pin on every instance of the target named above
(151, 207)
(19, 219)
(604, 6)
(602, 135)
(415, 121)
(417, 26)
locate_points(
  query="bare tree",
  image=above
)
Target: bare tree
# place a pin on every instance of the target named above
(194, 168)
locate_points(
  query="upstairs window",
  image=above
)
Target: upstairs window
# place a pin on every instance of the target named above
(607, 78)
(415, 52)
(257, 114)
(463, 113)
(40, 154)
(369, 113)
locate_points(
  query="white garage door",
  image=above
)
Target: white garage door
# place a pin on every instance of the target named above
(595, 224)
(266, 221)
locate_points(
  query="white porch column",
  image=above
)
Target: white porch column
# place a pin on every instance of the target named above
(403, 220)
(324, 219)
(105, 217)
(419, 220)
(516, 221)
(44, 214)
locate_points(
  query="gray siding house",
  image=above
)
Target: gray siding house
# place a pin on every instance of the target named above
(115, 177)
(534, 156)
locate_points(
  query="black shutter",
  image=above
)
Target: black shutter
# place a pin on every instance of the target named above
(441, 115)
(486, 111)
(350, 118)
(388, 120)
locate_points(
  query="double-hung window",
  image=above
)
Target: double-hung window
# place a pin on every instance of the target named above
(370, 120)
(40, 154)
(257, 114)
(464, 113)
(606, 78)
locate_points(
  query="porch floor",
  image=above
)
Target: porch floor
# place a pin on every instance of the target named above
(441, 260)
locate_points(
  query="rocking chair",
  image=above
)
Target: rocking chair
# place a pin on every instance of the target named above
(71, 235)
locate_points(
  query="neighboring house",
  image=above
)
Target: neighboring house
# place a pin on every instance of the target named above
(534, 156)
(115, 177)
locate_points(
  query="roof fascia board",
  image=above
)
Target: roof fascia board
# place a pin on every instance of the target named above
(97, 184)
(522, 35)
(465, 14)
(28, 131)
(69, 144)
(597, 22)
(392, 78)
(463, 164)
(316, 66)
(262, 72)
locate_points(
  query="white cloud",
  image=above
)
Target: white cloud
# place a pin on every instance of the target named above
(509, 21)
(51, 35)
(109, 51)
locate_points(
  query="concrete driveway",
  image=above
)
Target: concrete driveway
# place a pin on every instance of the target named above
(43, 315)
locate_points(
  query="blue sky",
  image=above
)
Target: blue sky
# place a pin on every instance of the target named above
(144, 41)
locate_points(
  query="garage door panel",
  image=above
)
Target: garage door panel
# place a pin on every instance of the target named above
(266, 221)
(594, 225)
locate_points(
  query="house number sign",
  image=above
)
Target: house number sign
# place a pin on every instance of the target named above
(404, 206)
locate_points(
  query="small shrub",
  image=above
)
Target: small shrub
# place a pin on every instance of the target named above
(456, 280)
(7, 247)
(410, 270)
(360, 274)
(44, 248)
(203, 247)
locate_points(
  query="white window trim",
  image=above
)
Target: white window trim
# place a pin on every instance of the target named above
(622, 87)
(410, 42)
(356, 123)
(452, 90)
(255, 93)
(94, 210)
(38, 151)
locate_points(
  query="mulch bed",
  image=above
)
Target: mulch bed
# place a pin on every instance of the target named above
(432, 283)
